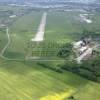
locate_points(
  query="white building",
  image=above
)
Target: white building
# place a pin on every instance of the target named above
(85, 55)
(83, 49)
(78, 44)
(12, 16)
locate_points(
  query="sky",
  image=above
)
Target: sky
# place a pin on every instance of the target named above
(83, 1)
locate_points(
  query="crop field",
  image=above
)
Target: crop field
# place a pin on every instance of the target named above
(22, 79)
(27, 80)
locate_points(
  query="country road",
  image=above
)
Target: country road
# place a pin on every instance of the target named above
(7, 44)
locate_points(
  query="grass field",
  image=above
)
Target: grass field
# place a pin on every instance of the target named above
(27, 80)
(21, 31)
(3, 39)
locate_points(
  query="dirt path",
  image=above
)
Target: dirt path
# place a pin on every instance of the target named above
(7, 44)
(40, 33)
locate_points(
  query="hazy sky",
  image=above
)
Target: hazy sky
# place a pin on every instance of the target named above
(83, 1)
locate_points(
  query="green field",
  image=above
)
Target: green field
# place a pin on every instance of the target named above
(27, 80)
(22, 79)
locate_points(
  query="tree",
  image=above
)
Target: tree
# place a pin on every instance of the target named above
(71, 98)
(65, 51)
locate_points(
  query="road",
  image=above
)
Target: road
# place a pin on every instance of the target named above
(7, 44)
(40, 33)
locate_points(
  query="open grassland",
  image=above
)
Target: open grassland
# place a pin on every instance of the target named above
(89, 92)
(27, 80)
(60, 25)
(67, 26)
(22, 31)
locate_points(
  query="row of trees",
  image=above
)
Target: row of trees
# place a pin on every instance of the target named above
(43, 49)
(88, 69)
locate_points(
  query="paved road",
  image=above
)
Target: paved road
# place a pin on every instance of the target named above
(40, 33)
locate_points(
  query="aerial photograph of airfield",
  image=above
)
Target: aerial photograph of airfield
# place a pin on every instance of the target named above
(49, 50)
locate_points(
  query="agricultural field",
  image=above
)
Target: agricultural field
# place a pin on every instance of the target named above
(24, 71)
